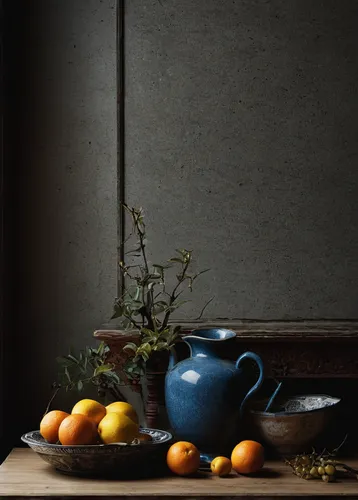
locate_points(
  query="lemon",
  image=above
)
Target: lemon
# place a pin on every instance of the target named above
(117, 428)
(125, 408)
(91, 408)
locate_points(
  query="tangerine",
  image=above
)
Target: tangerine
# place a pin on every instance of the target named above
(77, 429)
(221, 466)
(183, 458)
(50, 424)
(247, 457)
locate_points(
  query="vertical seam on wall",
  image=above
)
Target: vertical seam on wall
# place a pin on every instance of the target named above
(120, 142)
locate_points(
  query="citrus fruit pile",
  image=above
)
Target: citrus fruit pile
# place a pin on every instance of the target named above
(90, 422)
(183, 458)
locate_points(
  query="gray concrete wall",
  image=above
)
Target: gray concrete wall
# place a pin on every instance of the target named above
(241, 125)
(68, 217)
(241, 143)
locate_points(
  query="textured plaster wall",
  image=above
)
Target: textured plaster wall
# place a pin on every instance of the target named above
(68, 209)
(241, 143)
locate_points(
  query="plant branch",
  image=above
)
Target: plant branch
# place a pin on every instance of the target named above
(173, 295)
(203, 309)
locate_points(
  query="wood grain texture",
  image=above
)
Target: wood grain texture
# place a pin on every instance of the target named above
(259, 330)
(24, 474)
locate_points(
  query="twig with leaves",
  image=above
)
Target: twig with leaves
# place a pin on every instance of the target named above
(146, 305)
(90, 366)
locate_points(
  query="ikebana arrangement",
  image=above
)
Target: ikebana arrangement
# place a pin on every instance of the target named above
(151, 293)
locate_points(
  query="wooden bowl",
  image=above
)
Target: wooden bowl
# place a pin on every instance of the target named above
(134, 460)
(293, 425)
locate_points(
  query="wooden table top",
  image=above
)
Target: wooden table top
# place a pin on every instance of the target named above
(25, 474)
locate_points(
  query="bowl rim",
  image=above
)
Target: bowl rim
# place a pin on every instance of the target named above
(335, 401)
(31, 441)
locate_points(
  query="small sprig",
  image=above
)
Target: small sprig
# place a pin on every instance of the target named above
(146, 305)
(90, 366)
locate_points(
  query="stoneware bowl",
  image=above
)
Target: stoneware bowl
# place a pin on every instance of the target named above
(134, 460)
(293, 425)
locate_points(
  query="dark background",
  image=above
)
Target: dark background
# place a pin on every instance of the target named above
(241, 143)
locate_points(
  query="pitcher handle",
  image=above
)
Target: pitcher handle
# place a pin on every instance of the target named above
(258, 361)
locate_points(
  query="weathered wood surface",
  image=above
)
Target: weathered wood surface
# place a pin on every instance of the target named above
(262, 330)
(25, 475)
(294, 349)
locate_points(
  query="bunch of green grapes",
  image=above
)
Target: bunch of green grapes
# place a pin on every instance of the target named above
(314, 467)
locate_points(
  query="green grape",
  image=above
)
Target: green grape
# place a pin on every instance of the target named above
(330, 470)
(314, 472)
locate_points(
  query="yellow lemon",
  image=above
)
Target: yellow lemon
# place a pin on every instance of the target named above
(117, 428)
(125, 408)
(92, 409)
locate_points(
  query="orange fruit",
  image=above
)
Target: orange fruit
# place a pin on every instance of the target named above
(247, 457)
(221, 466)
(117, 428)
(50, 424)
(123, 407)
(77, 429)
(183, 458)
(91, 409)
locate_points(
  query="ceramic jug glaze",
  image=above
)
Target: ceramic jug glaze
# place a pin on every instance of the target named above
(205, 395)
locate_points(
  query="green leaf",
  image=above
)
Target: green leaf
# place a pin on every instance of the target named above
(63, 361)
(144, 348)
(176, 259)
(72, 358)
(67, 374)
(160, 306)
(148, 332)
(101, 348)
(131, 346)
(118, 311)
(79, 385)
(160, 346)
(102, 369)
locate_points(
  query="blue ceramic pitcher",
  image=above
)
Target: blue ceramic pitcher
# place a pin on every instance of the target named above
(205, 395)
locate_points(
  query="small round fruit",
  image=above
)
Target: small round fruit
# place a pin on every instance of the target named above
(328, 479)
(77, 429)
(145, 438)
(123, 407)
(330, 470)
(50, 424)
(117, 428)
(221, 466)
(91, 408)
(183, 458)
(314, 472)
(247, 457)
(321, 470)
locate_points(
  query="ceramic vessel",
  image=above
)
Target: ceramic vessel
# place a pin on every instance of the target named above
(205, 395)
(293, 425)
